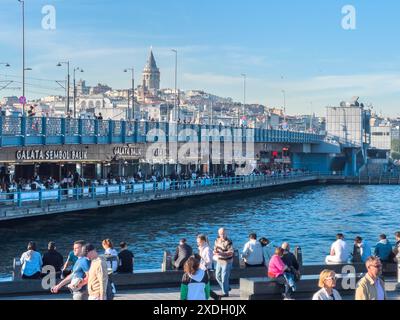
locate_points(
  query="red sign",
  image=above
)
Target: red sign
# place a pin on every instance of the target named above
(22, 100)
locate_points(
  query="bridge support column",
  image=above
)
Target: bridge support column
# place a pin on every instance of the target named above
(351, 163)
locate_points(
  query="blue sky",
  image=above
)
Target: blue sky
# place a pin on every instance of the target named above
(296, 46)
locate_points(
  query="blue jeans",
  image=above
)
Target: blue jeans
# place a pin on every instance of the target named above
(290, 283)
(222, 274)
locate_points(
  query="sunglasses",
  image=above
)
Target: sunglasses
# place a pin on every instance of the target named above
(331, 278)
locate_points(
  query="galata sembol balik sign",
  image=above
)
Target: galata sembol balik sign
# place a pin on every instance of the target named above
(43, 155)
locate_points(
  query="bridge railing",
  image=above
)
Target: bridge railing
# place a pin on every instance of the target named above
(24, 131)
(21, 198)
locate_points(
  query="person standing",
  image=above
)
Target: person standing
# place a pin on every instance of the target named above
(31, 262)
(253, 254)
(53, 258)
(223, 254)
(182, 253)
(206, 260)
(79, 273)
(97, 279)
(371, 286)
(327, 283)
(126, 259)
(111, 253)
(195, 282)
(205, 252)
(339, 252)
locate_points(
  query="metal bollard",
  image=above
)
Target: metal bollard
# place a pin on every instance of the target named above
(16, 274)
(167, 262)
(236, 261)
(299, 256)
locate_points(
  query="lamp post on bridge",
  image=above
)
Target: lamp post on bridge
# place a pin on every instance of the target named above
(244, 95)
(23, 55)
(176, 96)
(80, 70)
(130, 116)
(68, 82)
(284, 104)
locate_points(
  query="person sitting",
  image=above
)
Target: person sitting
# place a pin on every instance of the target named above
(182, 253)
(339, 253)
(290, 260)
(278, 270)
(362, 250)
(126, 259)
(267, 250)
(253, 255)
(327, 283)
(396, 249)
(383, 249)
(53, 258)
(31, 262)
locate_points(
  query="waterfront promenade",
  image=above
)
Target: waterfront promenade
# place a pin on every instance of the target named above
(173, 294)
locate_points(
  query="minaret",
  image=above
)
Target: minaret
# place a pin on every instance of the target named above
(151, 74)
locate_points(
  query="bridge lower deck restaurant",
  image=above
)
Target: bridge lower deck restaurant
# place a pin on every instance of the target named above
(90, 161)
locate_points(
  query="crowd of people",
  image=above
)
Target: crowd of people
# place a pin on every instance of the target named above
(74, 180)
(89, 275)
(282, 266)
(86, 273)
(341, 252)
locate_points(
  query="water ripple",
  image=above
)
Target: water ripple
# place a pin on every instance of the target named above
(307, 216)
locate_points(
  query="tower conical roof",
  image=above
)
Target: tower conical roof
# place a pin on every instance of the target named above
(151, 63)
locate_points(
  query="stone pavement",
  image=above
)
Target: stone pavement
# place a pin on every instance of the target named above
(144, 294)
(173, 294)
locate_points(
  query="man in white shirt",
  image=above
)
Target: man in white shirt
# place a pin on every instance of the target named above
(339, 251)
(253, 254)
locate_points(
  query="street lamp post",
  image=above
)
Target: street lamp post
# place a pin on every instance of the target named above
(68, 82)
(23, 54)
(80, 70)
(284, 104)
(244, 94)
(133, 93)
(176, 83)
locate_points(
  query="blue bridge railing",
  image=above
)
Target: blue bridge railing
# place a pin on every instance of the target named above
(22, 198)
(33, 131)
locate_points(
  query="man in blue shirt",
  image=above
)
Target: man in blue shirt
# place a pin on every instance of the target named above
(383, 249)
(79, 272)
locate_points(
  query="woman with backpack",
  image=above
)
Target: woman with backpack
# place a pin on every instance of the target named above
(195, 282)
